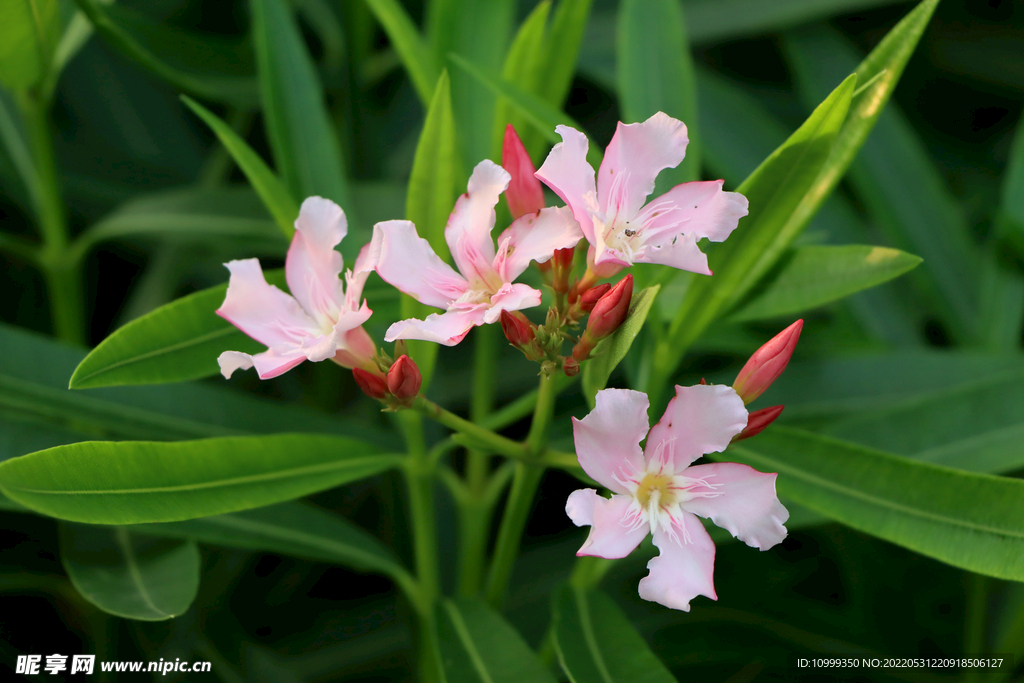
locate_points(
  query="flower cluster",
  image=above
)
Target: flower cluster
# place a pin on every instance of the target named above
(656, 490)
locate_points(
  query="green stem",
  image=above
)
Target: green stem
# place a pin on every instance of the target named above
(63, 273)
(482, 438)
(525, 481)
(974, 623)
(419, 474)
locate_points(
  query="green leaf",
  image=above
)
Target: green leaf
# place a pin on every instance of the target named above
(435, 183)
(610, 352)
(12, 137)
(276, 197)
(655, 73)
(813, 276)
(198, 81)
(596, 642)
(177, 342)
(195, 214)
(298, 125)
(129, 575)
(415, 55)
(524, 66)
(563, 49)
(543, 116)
(477, 644)
(774, 190)
(291, 528)
(134, 482)
(28, 35)
(972, 521)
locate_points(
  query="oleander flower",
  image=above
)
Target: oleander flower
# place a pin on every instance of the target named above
(319, 320)
(483, 287)
(658, 491)
(620, 227)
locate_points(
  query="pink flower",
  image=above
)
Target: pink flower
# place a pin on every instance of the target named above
(656, 490)
(621, 229)
(483, 287)
(319, 320)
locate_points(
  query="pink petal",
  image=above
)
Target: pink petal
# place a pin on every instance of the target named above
(701, 209)
(468, 232)
(567, 172)
(608, 439)
(535, 237)
(681, 253)
(263, 311)
(612, 534)
(747, 507)
(636, 155)
(269, 364)
(313, 265)
(447, 328)
(699, 419)
(511, 297)
(356, 350)
(684, 568)
(405, 260)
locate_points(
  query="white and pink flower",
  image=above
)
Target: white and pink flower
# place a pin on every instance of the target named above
(656, 490)
(483, 287)
(612, 211)
(319, 320)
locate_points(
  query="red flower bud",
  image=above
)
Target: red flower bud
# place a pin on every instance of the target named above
(524, 194)
(767, 363)
(518, 330)
(571, 367)
(611, 309)
(372, 384)
(757, 421)
(404, 379)
(592, 295)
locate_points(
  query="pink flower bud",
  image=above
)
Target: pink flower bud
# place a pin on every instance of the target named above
(571, 367)
(524, 194)
(757, 421)
(517, 329)
(561, 266)
(372, 384)
(611, 309)
(592, 295)
(767, 363)
(404, 379)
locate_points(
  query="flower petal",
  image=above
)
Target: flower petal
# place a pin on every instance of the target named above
(356, 350)
(447, 328)
(699, 419)
(468, 232)
(567, 172)
(701, 208)
(746, 505)
(263, 311)
(636, 155)
(313, 265)
(612, 534)
(511, 297)
(681, 253)
(684, 567)
(608, 439)
(269, 364)
(405, 260)
(535, 237)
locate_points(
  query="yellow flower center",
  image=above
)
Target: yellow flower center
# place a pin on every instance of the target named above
(655, 490)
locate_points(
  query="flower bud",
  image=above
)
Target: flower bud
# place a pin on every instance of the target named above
(592, 296)
(610, 310)
(767, 363)
(518, 330)
(561, 267)
(571, 367)
(524, 194)
(372, 384)
(404, 379)
(757, 421)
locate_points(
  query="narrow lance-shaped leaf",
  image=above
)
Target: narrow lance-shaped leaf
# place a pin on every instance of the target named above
(276, 197)
(134, 482)
(596, 642)
(610, 352)
(416, 57)
(298, 125)
(478, 645)
(130, 575)
(655, 73)
(972, 521)
(816, 275)
(563, 49)
(28, 35)
(523, 66)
